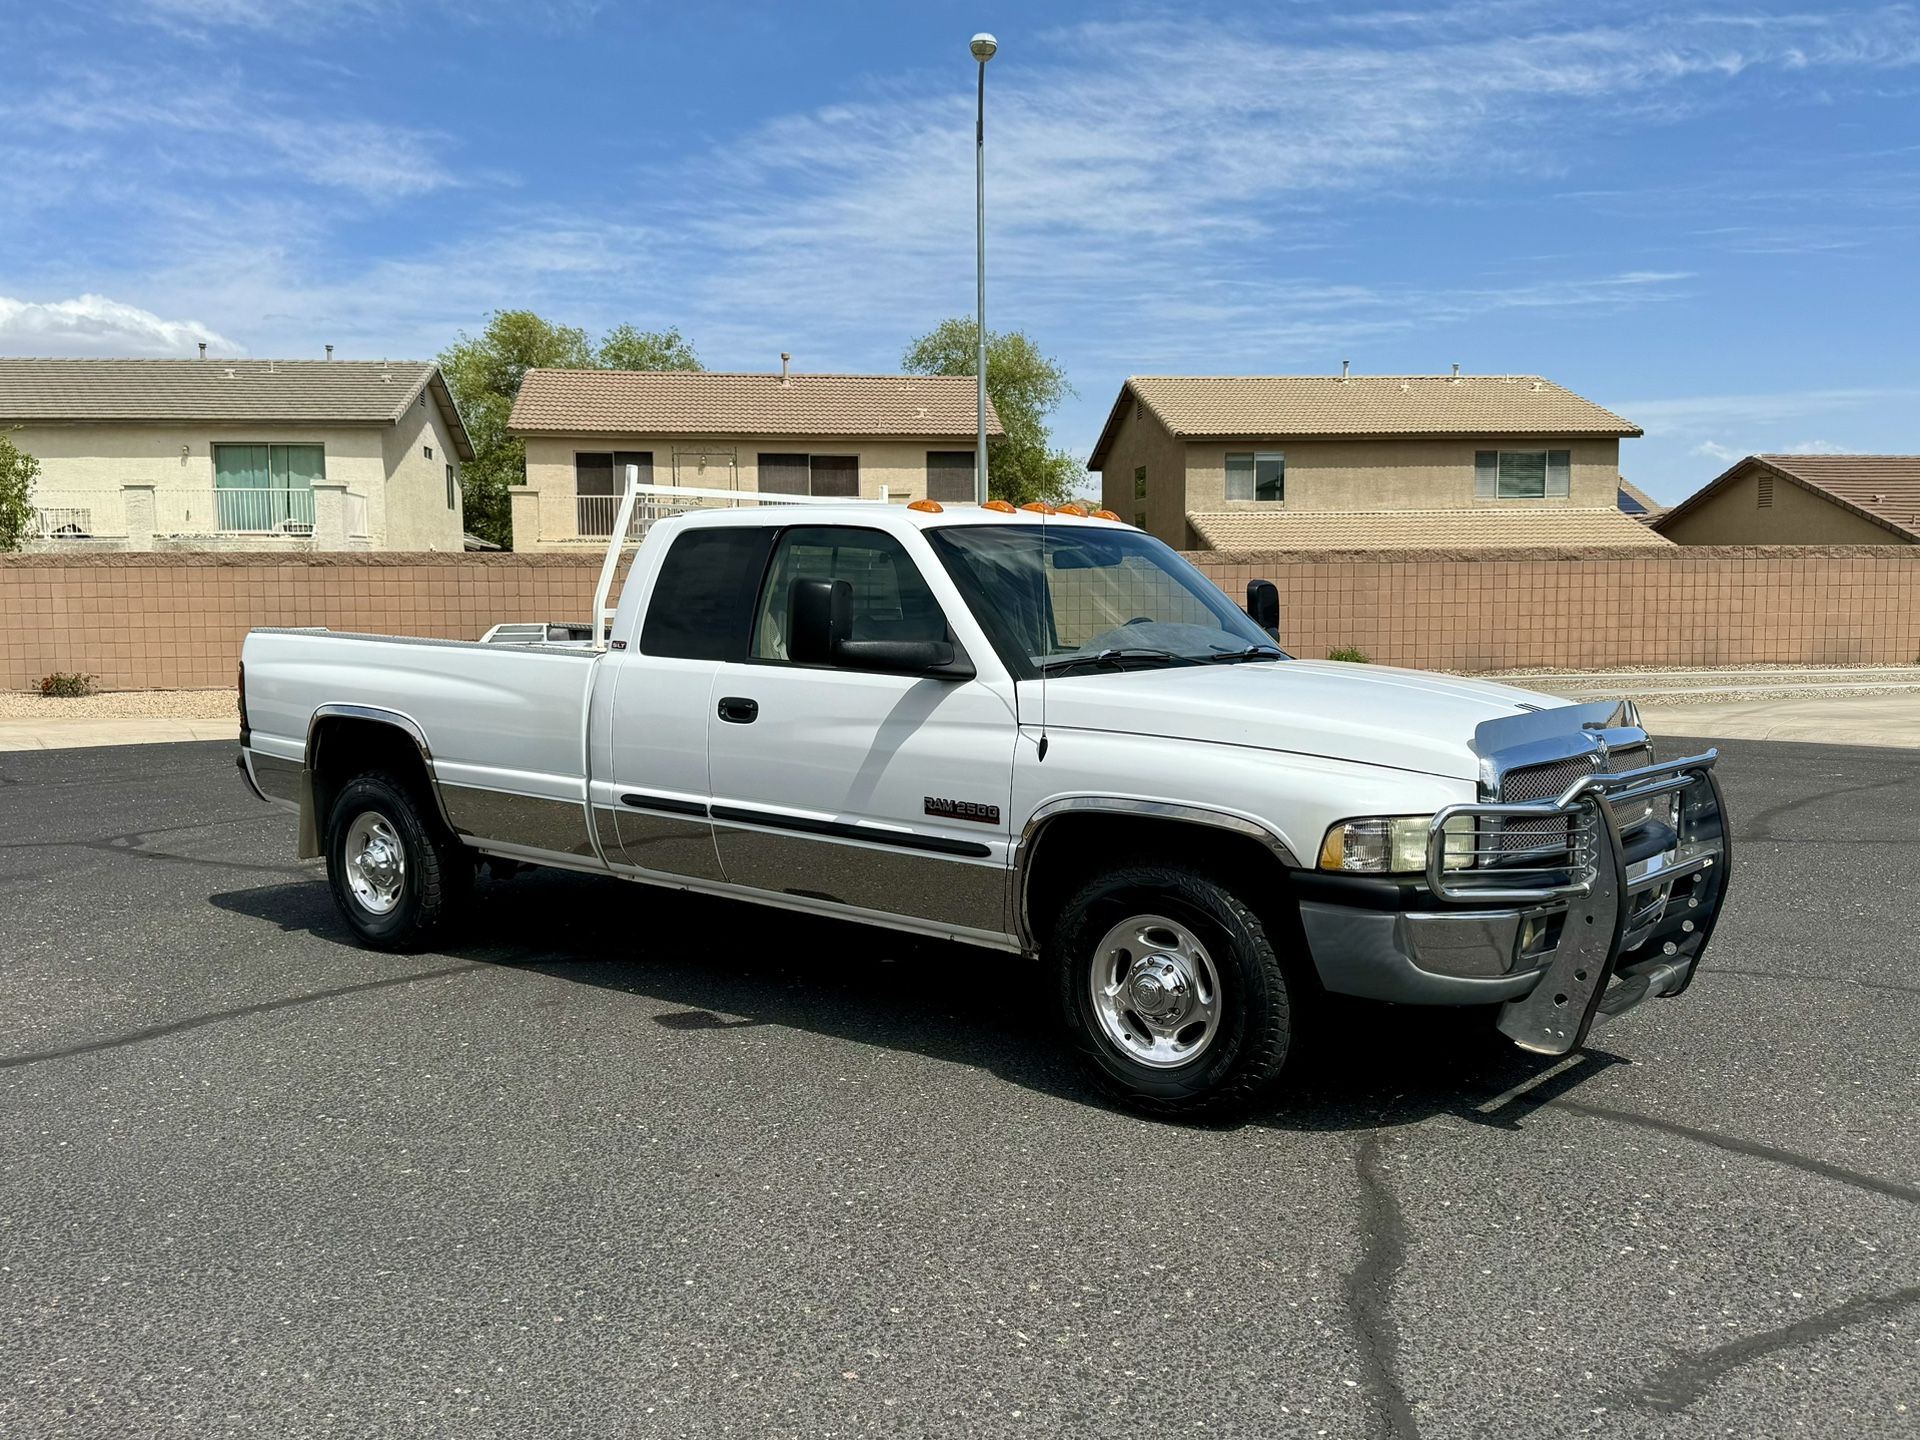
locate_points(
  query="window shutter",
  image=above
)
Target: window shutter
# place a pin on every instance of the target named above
(1559, 472)
(783, 474)
(1486, 474)
(950, 475)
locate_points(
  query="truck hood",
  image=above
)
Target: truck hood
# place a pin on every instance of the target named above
(1368, 714)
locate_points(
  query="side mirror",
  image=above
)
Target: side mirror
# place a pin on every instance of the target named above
(822, 617)
(1263, 606)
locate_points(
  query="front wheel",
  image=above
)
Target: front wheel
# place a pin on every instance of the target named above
(395, 874)
(1173, 992)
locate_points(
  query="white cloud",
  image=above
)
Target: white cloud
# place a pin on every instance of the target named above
(1817, 447)
(96, 325)
(173, 122)
(1713, 450)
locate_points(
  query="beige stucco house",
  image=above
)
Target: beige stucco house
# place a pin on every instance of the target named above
(1803, 500)
(907, 437)
(238, 454)
(1297, 462)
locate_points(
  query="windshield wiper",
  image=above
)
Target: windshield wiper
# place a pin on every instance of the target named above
(1117, 657)
(1252, 652)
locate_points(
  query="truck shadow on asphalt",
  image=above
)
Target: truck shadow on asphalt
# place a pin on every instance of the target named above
(719, 966)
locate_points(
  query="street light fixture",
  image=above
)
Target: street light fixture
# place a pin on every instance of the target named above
(982, 46)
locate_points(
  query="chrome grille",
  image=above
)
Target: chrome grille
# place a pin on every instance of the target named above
(1551, 780)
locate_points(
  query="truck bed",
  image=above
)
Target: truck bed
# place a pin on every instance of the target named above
(508, 751)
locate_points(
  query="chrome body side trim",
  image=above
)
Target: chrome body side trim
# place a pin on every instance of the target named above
(1030, 834)
(945, 891)
(527, 822)
(782, 900)
(278, 782)
(659, 841)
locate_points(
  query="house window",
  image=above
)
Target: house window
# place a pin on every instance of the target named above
(1258, 476)
(1139, 482)
(810, 474)
(1139, 519)
(453, 490)
(1521, 474)
(598, 479)
(429, 451)
(950, 475)
(266, 488)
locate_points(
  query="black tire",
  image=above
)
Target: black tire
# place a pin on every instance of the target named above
(437, 874)
(1243, 1060)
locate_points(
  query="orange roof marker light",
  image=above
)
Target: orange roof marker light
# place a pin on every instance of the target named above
(1107, 515)
(1072, 509)
(1039, 507)
(999, 507)
(927, 507)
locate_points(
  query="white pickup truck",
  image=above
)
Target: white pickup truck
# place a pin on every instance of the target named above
(1045, 734)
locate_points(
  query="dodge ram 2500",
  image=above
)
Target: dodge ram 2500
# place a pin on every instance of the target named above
(1044, 734)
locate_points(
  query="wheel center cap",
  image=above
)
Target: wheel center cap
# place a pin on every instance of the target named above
(1158, 987)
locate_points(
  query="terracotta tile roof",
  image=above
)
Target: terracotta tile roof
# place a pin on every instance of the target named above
(1882, 488)
(290, 392)
(1197, 407)
(705, 402)
(1488, 528)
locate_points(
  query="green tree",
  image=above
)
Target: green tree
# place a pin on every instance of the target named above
(1025, 387)
(18, 470)
(625, 348)
(485, 371)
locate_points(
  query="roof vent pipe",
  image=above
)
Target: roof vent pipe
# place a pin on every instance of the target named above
(330, 354)
(784, 359)
(203, 349)
(1345, 367)
(1456, 367)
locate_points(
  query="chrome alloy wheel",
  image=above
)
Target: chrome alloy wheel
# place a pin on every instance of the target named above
(376, 862)
(1155, 991)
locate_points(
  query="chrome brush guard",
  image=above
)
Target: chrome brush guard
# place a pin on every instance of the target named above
(1633, 911)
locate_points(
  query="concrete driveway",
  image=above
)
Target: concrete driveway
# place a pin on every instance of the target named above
(620, 1163)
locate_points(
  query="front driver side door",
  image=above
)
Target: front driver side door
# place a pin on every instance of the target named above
(881, 793)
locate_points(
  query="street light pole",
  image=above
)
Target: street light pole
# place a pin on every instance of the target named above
(982, 46)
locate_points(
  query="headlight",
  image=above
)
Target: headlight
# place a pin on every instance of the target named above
(1394, 845)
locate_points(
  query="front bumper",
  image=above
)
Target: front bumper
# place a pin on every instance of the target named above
(1558, 938)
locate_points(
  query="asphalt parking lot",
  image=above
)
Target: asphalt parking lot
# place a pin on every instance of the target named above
(624, 1163)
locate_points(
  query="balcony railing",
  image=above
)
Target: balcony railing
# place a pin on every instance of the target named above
(234, 511)
(77, 515)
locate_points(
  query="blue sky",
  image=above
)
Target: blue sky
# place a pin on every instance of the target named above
(1705, 218)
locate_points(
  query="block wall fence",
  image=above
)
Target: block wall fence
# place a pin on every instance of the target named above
(168, 621)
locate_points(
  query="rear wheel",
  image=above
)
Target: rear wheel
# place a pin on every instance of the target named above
(1173, 991)
(396, 874)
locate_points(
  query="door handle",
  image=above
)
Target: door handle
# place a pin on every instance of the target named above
(739, 709)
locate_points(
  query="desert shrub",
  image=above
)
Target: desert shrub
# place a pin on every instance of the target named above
(67, 684)
(1349, 654)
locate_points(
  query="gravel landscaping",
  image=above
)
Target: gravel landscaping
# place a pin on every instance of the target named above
(122, 705)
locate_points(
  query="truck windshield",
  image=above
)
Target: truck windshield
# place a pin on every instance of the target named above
(1076, 598)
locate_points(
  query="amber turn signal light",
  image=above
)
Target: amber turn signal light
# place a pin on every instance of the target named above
(999, 507)
(927, 507)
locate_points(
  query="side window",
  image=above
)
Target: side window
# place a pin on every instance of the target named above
(703, 600)
(891, 600)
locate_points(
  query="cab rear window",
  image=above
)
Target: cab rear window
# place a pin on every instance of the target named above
(702, 604)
